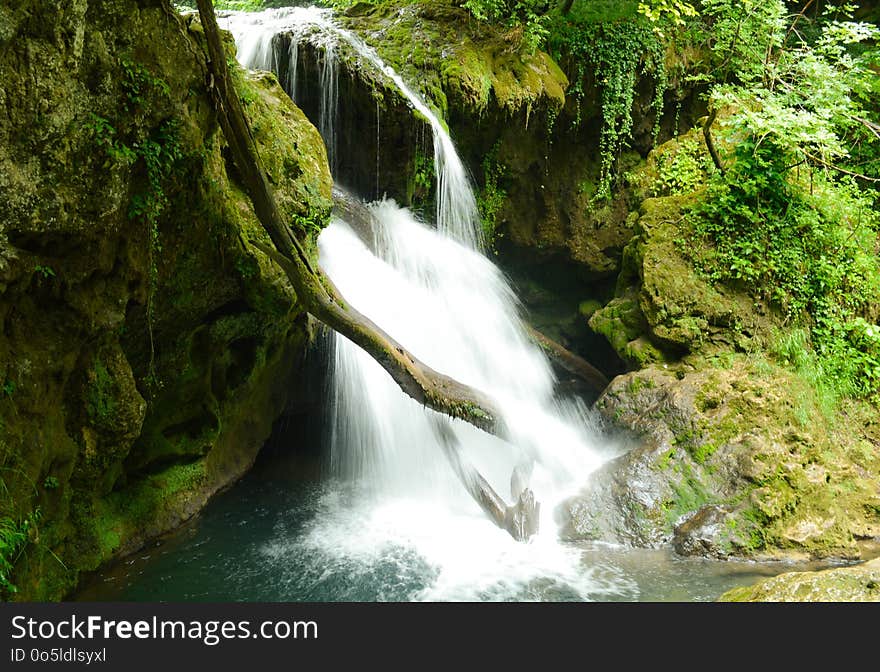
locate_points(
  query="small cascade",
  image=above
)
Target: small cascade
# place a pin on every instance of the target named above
(256, 37)
(292, 67)
(329, 104)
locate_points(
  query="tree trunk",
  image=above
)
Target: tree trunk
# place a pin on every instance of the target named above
(710, 145)
(521, 520)
(569, 361)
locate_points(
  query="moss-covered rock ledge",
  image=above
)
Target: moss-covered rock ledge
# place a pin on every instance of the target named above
(859, 583)
(146, 346)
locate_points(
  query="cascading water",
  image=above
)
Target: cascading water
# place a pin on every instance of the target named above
(255, 37)
(330, 104)
(437, 295)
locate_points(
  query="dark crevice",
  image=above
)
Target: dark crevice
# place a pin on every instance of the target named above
(235, 307)
(552, 294)
(54, 244)
(243, 354)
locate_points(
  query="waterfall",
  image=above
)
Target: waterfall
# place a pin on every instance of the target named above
(433, 291)
(292, 66)
(452, 308)
(456, 208)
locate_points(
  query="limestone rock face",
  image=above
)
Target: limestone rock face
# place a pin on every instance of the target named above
(734, 459)
(146, 345)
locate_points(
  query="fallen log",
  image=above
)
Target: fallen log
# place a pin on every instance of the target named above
(568, 361)
(522, 519)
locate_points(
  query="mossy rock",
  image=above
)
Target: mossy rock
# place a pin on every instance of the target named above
(743, 436)
(664, 309)
(624, 325)
(145, 351)
(456, 59)
(859, 583)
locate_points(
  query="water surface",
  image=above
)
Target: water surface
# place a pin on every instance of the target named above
(282, 535)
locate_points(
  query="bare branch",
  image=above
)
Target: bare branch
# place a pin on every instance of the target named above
(822, 162)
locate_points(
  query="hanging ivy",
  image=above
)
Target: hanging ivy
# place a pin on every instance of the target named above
(615, 55)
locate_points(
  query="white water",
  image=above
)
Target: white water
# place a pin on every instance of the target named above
(456, 214)
(452, 308)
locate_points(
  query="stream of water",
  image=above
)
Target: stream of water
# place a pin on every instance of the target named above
(389, 520)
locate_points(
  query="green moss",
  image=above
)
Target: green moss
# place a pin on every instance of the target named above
(623, 324)
(125, 514)
(859, 583)
(291, 151)
(689, 496)
(451, 56)
(588, 308)
(100, 399)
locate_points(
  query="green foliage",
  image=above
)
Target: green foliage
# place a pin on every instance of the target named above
(660, 12)
(809, 83)
(310, 224)
(862, 350)
(13, 540)
(104, 135)
(423, 173)
(160, 153)
(613, 55)
(793, 349)
(8, 388)
(682, 171)
(140, 85)
(422, 178)
(45, 271)
(241, 5)
(736, 36)
(51, 483)
(810, 255)
(801, 94)
(529, 16)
